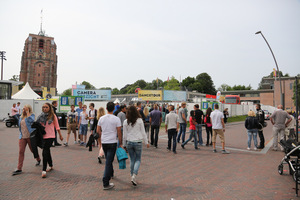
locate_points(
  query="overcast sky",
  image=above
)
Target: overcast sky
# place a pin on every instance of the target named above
(113, 43)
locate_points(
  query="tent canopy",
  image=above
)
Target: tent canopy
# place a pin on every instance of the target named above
(26, 93)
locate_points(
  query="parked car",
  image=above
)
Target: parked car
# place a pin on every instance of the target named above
(267, 115)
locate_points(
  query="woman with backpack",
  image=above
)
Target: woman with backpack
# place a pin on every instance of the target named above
(208, 126)
(251, 124)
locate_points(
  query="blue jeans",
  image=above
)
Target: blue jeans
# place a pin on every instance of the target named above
(199, 133)
(83, 128)
(252, 132)
(109, 152)
(154, 140)
(181, 131)
(135, 154)
(172, 133)
(192, 135)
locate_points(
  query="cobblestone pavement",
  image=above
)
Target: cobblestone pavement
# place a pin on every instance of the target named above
(190, 174)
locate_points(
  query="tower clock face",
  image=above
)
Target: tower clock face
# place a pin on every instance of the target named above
(40, 50)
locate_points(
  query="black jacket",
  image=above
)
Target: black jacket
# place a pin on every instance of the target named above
(251, 123)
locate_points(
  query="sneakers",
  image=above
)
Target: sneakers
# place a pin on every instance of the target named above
(81, 143)
(38, 163)
(133, 180)
(225, 152)
(248, 148)
(215, 150)
(16, 172)
(99, 160)
(108, 187)
(44, 174)
(75, 142)
(255, 149)
(66, 144)
(182, 146)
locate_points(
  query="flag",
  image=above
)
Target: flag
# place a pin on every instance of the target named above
(274, 72)
(168, 79)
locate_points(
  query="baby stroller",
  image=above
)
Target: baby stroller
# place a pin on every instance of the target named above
(292, 155)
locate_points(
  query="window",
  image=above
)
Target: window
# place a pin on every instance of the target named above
(39, 65)
(38, 75)
(291, 86)
(41, 44)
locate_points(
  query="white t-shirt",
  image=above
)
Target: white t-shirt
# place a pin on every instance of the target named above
(135, 133)
(216, 121)
(92, 114)
(83, 117)
(18, 107)
(109, 124)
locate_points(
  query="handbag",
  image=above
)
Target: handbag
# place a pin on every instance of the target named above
(96, 135)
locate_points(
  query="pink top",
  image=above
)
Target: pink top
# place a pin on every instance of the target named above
(49, 128)
(14, 111)
(192, 126)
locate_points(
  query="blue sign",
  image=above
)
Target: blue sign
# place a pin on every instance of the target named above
(172, 95)
(64, 101)
(104, 95)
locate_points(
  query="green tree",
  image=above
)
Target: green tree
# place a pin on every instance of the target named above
(88, 86)
(206, 84)
(172, 84)
(15, 78)
(67, 92)
(241, 87)
(115, 91)
(105, 88)
(188, 82)
(298, 94)
(225, 87)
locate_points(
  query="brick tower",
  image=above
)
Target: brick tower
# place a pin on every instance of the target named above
(39, 62)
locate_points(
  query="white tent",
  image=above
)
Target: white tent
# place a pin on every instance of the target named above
(117, 100)
(26, 93)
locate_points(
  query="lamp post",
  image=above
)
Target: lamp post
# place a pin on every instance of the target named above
(2, 56)
(281, 94)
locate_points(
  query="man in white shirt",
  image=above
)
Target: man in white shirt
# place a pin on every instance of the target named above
(218, 127)
(109, 127)
(172, 125)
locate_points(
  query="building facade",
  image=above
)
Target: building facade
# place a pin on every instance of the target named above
(39, 62)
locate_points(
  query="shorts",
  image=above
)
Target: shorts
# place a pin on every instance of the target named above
(83, 129)
(220, 133)
(71, 127)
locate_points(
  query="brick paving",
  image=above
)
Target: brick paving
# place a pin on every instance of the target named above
(190, 174)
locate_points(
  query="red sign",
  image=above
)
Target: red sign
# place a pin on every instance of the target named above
(208, 96)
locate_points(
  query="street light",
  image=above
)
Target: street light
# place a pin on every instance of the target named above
(2, 56)
(281, 94)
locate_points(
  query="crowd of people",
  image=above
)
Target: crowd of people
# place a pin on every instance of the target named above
(127, 127)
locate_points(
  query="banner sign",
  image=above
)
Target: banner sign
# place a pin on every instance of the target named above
(150, 95)
(206, 104)
(104, 95)
(65, 102)
(172, 95)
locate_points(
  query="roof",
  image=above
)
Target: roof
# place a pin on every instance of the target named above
(26, 93)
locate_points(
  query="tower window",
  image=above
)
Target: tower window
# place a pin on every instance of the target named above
(41, 44)
(38, 74)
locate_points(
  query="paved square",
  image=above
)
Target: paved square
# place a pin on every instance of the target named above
(190, 174)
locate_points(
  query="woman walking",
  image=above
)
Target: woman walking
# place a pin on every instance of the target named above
(193, 133)
(25, 122)
(208, 126)
(251, 124)
(147, 123)
(101, 112)
(49, 120)
(133, 135)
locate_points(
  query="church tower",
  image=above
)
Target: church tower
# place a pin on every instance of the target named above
(39, 62)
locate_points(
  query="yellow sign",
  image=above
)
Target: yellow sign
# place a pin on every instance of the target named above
(150, 95)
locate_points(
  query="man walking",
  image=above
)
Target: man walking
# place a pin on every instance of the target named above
(109, 127)
(182, 114)
(260, 115)
(218, 127)
(79, 110)
(199, 120)
(172, 125)
(278, 119)
(155, 121)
